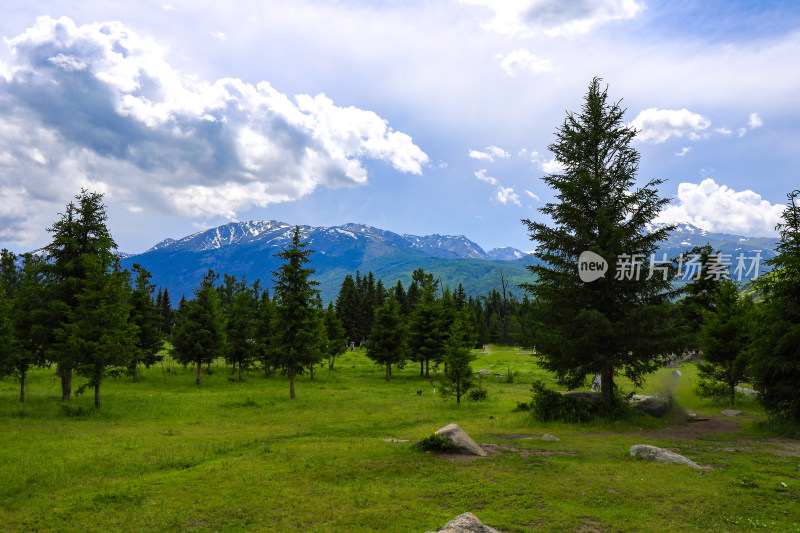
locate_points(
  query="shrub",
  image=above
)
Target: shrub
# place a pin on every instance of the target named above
(477, 395)
(436, 443)
(551, 406)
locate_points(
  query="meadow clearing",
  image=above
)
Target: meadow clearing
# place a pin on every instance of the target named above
(165, 455)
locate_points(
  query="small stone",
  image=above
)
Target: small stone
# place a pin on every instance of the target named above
(395, 440)
(466, 523)
(548, 436)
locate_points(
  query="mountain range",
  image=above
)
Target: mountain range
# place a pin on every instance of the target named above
(249, 248)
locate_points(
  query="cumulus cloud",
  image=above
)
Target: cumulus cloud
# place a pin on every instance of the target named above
(532, 195)
(657, 125)
(754, 121)
(714, 207)
(685, 150)
(490, 154)
(548, 166)
(100, 104)
(481, 175)
(522, 60)
(506, 195)
(554, 17)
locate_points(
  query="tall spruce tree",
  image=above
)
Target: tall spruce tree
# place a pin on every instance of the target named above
(775, 350)
(335, 336)
(80, 232)
(457, 377)
(199, 330)
(387, 339)
(240, 329)
(146, 315)
(617, 322)
(298, 326)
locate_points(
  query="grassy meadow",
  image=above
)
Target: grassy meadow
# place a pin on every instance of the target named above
(165, 455)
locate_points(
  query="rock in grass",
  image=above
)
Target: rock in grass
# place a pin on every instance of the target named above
(731, 412)
(548, 436)
(456, 436)
(660, 455)
(466, 523)
(654, 406)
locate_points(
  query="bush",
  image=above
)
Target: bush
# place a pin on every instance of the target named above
(477, 395)
(437, 444)
(551, 406)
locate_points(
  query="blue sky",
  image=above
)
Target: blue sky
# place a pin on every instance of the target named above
(414, 116)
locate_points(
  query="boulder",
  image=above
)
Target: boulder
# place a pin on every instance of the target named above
(731, 412)
(660, 455)
(655, 406)
(465, 523)
(458, 438)
(588, 397)
(548, 436)
(746, 391)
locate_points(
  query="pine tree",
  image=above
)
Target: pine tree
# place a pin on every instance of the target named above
(387, 339)
(199, 329)
(240, 329)
(81, 232)
(146, 315)
(167, 314)
(457, 377)
(98, 330)
(724, 339)
(616, 323)
(265, 333)
(426, 331)
(699, 297)
(298, 327)
(348, 307)
(775, 350)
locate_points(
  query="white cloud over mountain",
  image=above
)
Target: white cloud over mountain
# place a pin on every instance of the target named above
(522, 60)
(714, 207)
(100, 105)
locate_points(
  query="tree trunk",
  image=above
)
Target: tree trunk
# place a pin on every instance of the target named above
(312, 371)
(199, 370)
(135, 374)
(22, 387)
(330, 362)
(388, 371)
(291, 386)
(97, 394)
(733, 394)
(427, 368)
(66, 382)
(240, 371)
(421, 368)
(607, 385)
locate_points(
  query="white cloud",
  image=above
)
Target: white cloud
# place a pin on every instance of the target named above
(506, 195)
(481, 175)
(219, 35)
(490, 154)
(685, 150)
(522, 60)
(554, 17)
(754, 121)
(657, 125)
(723, 131)
(741, 131)
(714, 207)
(99, 103)
(552, 166)
(532, 195)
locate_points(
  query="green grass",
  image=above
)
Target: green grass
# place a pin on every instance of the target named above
(165, 455)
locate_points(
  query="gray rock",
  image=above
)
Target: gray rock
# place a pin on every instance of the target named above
(655, 406)
(548, 436)
(395, 440)
(731, 412)
(746, 391)
(466, 523)
(458, 438)
(589, 397)
(484, 372)
(660, 455)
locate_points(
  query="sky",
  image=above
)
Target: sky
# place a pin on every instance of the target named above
(417, 117)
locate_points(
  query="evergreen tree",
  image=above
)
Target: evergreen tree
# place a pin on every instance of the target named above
(79, 233)
(146, 315)
(457, 377)
(167, 314)
(724, 338)
(775, 350)
(298, 327)
(336, 341)
(387, 340)
(98, 330)
(348, 307)
(265, 333)
(240, 330)
(199, 329)
(699, 295)
(616, 323)
(427, 331)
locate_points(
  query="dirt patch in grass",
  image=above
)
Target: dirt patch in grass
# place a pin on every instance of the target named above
(493, 450)
(783, 447)
(688, 431)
